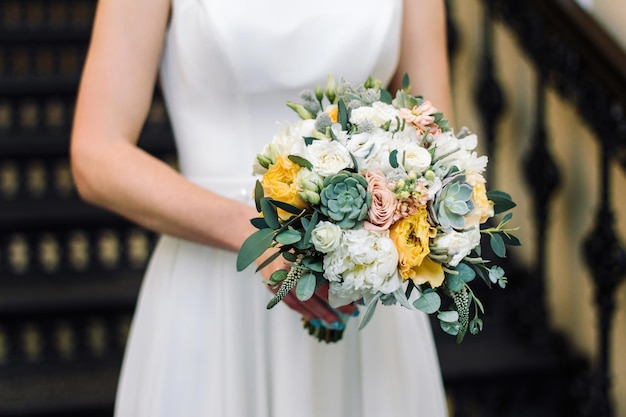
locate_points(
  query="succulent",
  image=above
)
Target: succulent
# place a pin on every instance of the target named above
(345, 199)
(453, 203)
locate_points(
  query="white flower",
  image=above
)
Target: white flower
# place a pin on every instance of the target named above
(366, 262)
(288, 141)
(456, 245)
(368, 150)
(328, 157)
(416, 158)
(326, 236)
(378, 114)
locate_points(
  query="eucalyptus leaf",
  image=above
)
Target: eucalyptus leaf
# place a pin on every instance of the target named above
(466, 272)
(393, 158)
(475, 326)
(454, 282)
(369, 311)
(253, 247)
(385, 96)
(501, 201)
(269, 213)
(288, 237)
(450, 328)
(406, 82)
(287, 207)
(268, 260)
(497, 245)
(278, 276)
(448, 316)
(258, 195)
(298, 160)
(429, 302)
(309, 225)
(314, 264)
(259, 223)
(400, 297)
(309, 140)
(343, 114)
(510, 240)
(507, 218)
(290, 256)
(306, 286)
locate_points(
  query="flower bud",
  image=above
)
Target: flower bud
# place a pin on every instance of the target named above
(263, 160)
(330, 88)
(319, 93)
(310, 197)
(299, 108)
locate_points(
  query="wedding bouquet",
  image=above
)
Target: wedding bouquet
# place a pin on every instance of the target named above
(377, 196)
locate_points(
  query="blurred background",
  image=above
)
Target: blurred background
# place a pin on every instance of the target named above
(543, 83)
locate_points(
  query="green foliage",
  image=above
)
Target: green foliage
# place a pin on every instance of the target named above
(253, 247)
(369, 311)
(305, 288)
(502, 201)
(429, 302)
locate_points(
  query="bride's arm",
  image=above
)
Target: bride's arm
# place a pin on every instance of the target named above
(423, 53)
(113, 101)
(112, 172)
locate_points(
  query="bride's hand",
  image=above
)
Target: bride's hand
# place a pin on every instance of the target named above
(315, 308)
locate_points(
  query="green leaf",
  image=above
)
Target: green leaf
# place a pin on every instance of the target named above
(450, 328)
(268, 260)
(343, 114)
(448, 316)
(253, 247)
(466, 272)
(258, 195)
(406, 82)
(287, 207)
(393, 158)
(288, 237)
(475, 326)
(290, 257)
(298, 160)
(314, 264)
(501, 201)
(278, 275)
(259, 223)
(510, 240)
(309, 140)
(385, 96)
(369, 312)
(401, 298)
(309, 225)
(429, 302)
(454, 282)
(497, 245)
(306, 286)
(506, 218)
(269, 213)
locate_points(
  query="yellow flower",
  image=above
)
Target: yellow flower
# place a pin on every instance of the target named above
(279, 183)
(332, 111)
(411, 236)
(483, 207)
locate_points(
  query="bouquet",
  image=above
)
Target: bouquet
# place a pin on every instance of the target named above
(377, 196)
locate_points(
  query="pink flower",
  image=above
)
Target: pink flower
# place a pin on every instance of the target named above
(384, 203)
(422, 117)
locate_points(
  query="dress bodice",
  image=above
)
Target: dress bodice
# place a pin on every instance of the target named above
(230, 66)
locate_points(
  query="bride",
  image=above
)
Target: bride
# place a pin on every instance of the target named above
(202, 342)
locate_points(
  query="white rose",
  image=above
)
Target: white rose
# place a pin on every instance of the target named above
(288, 141)
(369, 150)
(457, 245)
(328, 157)
(416, 158)
(378, 114)
(326, 236)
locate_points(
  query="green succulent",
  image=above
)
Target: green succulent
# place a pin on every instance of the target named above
(345, 199)
(453, 203)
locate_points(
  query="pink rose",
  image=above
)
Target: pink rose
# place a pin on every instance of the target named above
(380, 214)
(421, 117)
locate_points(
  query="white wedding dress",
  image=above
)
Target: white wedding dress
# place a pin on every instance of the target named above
(202, 342)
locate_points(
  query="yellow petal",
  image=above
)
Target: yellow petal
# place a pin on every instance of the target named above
(429, 271)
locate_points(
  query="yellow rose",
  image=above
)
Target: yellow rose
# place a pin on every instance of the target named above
(411, 237)
(279, 183)
(483, 207)
(332, 111)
